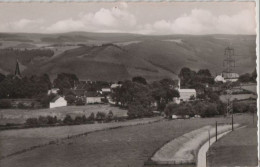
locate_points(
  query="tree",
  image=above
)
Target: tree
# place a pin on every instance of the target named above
(46, 99)
(245, 78)
(70, 99)
(186, 76)
(2, 77)
(253, 76)
(65, 81)
(110, 116)
(139, 79)
(91, 117)
(204, 72)
(171, 109)
(163, 92)
(100, 116)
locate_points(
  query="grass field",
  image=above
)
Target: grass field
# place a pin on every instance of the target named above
(20, 115)
(239, 148)
(128, 146)
(13, 141)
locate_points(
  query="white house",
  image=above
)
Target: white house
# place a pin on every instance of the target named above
(93, 98)
(113, 86)
(53, 91)
(105, 90)
(225, 76)
(58, 101)
(185, 94)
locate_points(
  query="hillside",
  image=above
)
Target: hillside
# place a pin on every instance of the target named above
(111, 57)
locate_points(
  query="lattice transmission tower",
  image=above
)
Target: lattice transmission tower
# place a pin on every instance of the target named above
(229, 64)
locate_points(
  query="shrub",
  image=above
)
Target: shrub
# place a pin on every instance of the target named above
(100, 116)
(80, 102)
(110, 116)
(211, 110)
(42, 120)
(5, 104)
(104, 100)
(68, 120)
(239, 107)
(32, 121)
(84, 119)
(52, 120)
(91, 117)
(78, 120)
(22, 106)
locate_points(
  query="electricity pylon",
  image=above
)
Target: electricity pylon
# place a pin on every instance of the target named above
(229, 64)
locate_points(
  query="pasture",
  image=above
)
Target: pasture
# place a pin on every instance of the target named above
(19, 116)
(127, 146)
(236, 149)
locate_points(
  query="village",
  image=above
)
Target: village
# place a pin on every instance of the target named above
(128, 84)
(164, 97)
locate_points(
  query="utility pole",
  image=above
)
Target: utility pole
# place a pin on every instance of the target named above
(229, 64)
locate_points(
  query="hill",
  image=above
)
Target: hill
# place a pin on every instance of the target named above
(108, 56)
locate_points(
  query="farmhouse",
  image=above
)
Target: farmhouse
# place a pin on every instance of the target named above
(58, 101)
(225, 76)
(105, 90)
(93, 98)
(53, 91)
(113, 86)
(185, 94)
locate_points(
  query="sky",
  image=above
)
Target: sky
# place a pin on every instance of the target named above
(156, 18)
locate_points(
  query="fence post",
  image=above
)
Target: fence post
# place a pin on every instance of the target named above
(209, 137)
(216, 131)
(232, 122)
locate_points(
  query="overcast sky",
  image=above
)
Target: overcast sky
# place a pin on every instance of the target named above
(132, 17)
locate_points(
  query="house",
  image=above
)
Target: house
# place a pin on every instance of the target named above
(93, 98)
(227, 76)
(113, 86)
(105, 90)
(53, 91)
(58, 101)
(185, 94)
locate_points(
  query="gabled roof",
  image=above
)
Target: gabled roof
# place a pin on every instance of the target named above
(187, 90)
(55, 99)
(92, 94)
(230, 75)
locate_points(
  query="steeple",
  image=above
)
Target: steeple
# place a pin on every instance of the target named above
(17, 70)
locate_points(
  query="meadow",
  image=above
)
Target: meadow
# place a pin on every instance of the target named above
(19, 116)
(127, 146)
(236, 149)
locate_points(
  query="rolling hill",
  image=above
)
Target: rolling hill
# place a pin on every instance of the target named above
(111, 57)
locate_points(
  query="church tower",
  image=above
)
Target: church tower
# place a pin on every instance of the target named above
(17, 70)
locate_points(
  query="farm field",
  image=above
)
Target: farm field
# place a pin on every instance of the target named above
(236, 149)
(20, 115)
(224, 98)
(13, 141)
(127, 146)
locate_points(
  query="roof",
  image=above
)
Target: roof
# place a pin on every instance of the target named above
(106, 89)
(187, 90)
(55, 99)
(92, 94)
(115, 85)
(230, 75)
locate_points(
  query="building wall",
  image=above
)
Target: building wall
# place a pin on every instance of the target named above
(91, 100)
(58, 103)
(185, 96)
